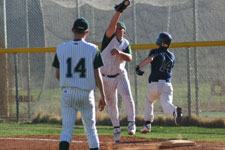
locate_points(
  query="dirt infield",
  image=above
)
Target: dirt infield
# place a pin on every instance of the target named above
(106, 142)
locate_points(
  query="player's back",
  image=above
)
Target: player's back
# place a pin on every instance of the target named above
(162, 64)
(76, 64)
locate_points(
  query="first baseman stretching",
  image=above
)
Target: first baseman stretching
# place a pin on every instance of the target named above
(77, 65)
(116, 52)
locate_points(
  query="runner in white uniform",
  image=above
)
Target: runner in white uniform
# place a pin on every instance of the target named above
(77, 65)
(116, 52)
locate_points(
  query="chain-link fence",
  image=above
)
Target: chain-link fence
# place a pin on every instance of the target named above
(198, 77)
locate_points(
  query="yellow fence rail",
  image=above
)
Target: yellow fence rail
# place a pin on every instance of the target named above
(133, 47)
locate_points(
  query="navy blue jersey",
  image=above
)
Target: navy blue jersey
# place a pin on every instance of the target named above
(162, 64)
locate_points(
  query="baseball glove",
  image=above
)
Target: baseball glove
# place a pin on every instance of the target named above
(122, 6)
(138, 71)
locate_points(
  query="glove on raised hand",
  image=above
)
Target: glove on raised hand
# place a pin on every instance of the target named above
(122, 6)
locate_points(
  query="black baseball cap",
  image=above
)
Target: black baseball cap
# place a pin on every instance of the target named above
(81, 25)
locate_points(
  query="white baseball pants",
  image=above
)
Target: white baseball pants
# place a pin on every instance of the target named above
(159, 90)
(73, 100)
(119, 84)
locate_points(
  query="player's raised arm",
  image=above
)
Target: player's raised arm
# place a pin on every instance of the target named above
(113, 23)
(112, 26)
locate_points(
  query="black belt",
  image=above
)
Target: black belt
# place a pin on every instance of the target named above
(111, 76)
(158, 80)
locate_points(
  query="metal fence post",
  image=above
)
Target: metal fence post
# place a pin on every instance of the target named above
(28, 59)
(195, 16)
(16, 86)
(6, 56)
(134, 54)
(188, 81)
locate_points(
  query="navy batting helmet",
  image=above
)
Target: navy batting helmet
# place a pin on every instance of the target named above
(165, 38)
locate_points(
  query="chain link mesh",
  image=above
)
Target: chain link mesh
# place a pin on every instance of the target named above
(50, 23)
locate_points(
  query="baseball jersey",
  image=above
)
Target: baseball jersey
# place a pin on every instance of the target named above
(162, 64)
(77, 60)
(113, 64)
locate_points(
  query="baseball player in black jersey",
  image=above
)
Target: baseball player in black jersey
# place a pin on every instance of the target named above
(162, 62)
(77, 65)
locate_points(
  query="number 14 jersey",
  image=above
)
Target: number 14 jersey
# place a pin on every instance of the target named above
(77, 61)
(162, 64)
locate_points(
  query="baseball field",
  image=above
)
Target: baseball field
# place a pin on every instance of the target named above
(30, 94)
(30, 136)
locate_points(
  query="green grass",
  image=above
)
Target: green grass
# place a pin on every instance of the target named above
(158, 132)
(11, 129)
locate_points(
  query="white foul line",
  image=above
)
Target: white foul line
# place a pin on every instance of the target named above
(37, 139)
(55, 140)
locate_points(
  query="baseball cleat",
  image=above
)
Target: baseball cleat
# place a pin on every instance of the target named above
(146, 128)
(116, 133)
(178, 116)
(131, 128)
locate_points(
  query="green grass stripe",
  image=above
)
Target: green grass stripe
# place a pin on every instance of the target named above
(158, 132)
